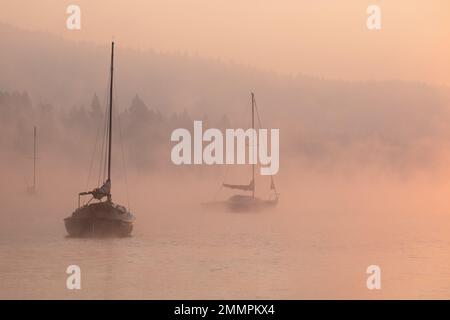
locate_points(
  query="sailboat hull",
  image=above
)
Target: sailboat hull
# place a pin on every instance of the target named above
(97, 228)
(101, 219)
(241, 203)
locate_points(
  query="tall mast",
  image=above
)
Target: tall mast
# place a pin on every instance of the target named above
(34, 160)
(110, 114)
(253, 146)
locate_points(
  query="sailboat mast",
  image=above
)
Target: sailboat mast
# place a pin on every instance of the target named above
(253, 144)
(34, 160)
(110, 112)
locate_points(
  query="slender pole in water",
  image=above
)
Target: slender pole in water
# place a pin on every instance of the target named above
(253, 144)
(110, 114)
(34, 160)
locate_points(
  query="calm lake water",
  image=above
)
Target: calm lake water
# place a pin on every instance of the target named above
(278, 254)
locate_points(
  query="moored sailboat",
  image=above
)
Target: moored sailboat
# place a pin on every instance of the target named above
(248, 202)
(101, 218)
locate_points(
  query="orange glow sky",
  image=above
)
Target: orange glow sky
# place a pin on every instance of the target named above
(325, 38)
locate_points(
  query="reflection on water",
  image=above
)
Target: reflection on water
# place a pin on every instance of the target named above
(216, 255)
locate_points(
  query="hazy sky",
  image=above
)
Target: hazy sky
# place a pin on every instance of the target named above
(326, 38)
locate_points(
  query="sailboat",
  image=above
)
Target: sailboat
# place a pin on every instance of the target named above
(32, 189)
(246, 202)
(101, 218)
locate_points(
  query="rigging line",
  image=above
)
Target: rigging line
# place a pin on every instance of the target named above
(103, 158)
(117, 116)
(102, 153)
(260, 126)
(93, 156)
(105, 124)
(248, 116)
(124, 162)
(223, 181)
(257, 115)
(105, 165)
(101, 172)
(107, 130)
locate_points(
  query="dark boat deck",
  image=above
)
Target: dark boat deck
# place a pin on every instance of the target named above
(100, 219)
